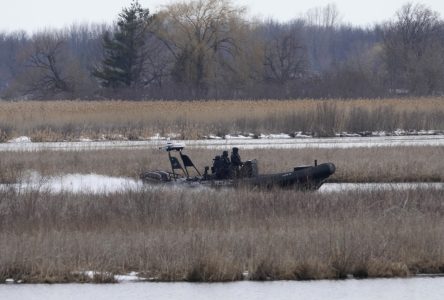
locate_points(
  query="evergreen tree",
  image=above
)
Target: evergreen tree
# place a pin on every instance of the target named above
(125, 49)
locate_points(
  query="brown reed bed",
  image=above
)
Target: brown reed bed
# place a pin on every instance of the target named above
(71, 120)
(380, 164)
(222, 235)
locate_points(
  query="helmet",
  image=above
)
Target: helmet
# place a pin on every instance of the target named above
(235, 149)
(225, 153)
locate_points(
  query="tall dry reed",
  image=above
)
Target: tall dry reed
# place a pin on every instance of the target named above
(206, 235)
(70, 120)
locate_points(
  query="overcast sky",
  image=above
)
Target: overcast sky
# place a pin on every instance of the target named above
(33, 15)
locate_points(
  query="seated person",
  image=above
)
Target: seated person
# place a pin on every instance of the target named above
(216, 165)
(225, 172)
(236, 162)
(235, 158)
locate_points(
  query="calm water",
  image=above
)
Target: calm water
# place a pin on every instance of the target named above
(99, 184)
(378, 289)
(330, 143)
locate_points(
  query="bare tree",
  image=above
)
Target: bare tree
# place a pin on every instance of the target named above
(10, 67)
(413, 46)
(327, 16)
(50, 70)
(285, 53)
(44, 61)
(322, 23)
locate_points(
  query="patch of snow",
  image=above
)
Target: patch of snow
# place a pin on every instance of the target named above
(213, 137)
(302, 135)
(84, 139)
(237, 137)
(157, 137)
(245, 274)
(399, 132)
(90, 274)
(427, 132)
(276, 136)
(379, 133)
(173, 135)
(20, 140)
(116, 137)
(9, 280)
(130, 277)
(346, 134)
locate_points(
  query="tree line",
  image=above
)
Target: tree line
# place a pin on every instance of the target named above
(209, 49)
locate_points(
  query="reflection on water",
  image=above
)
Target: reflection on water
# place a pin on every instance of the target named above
(381, 289)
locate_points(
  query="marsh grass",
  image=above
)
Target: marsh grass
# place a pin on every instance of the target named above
(218, 235)
(71, 120)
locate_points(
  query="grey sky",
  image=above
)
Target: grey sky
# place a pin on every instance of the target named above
(33, 15)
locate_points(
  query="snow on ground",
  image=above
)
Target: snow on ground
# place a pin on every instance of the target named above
(83, 139)
(157, 137)
(130, 277)
(21, 139)
(241, 142)
(302, 135)
(275, 136)
(213, 137)
(238, 136)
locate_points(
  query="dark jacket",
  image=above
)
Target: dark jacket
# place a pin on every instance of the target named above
(236, 160)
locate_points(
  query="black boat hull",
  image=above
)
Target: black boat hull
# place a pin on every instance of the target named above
(302, 178)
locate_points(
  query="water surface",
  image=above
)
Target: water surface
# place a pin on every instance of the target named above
(330, 143)
(375, 289)
(100, 184)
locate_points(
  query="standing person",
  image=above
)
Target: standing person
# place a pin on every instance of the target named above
(236, 161)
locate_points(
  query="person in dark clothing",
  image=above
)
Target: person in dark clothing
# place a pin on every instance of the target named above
(236, 161)
(235, 158)
(225, 165)
(225, 158)
(216, 169)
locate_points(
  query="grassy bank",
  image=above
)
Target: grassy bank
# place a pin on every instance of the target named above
(383, 164)
(70, 120)
(218, 235)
